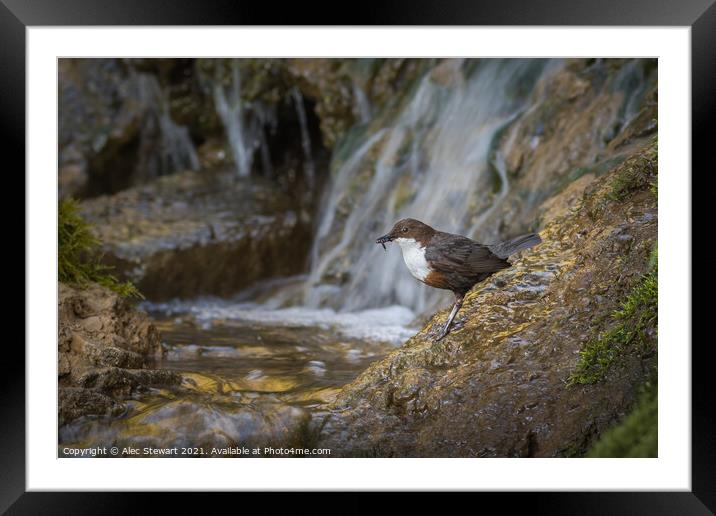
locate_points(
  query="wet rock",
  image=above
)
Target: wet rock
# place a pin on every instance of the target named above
(409, 387)
(215, 425)
(89, 93)
(269, 89)
(119, 383)
(102, 338)
(117, 126)
(76, 402)
(124, 122)
(213, 154)
(105, 355)
(346, 92)
(641, 124)
(325, 81)
(99, 318)
(193, 233)
(72, 179)
(391, 77)
(496, 386)
(581, 119)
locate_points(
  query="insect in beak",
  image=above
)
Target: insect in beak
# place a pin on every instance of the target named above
(382, 240)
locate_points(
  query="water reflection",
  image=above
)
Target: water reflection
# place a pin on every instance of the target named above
(248, 379)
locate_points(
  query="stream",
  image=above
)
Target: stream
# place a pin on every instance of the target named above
(252, 375)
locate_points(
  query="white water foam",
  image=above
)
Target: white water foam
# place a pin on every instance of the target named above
(391, 324)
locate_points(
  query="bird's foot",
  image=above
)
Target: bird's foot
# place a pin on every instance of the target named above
(453, 313)
(442, 335)
(458, 324)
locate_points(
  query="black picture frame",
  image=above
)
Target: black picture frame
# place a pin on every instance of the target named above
(700, 15)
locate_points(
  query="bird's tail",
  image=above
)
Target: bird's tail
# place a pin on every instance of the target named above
(510, 247)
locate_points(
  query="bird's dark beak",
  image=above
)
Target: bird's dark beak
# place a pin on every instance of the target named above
(382, 240)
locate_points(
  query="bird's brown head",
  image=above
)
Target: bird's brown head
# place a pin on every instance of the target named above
(408, 229)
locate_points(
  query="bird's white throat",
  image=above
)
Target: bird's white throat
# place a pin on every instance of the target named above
(414, 256)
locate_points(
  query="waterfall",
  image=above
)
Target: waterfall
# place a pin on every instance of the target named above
(245, 132)
(362, 103)
(175, 149)
(314, 291)
(264, 119)
(231, 114)
(309, 166)
(434, 161)
(632, 81)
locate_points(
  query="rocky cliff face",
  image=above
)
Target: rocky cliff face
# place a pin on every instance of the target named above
(501, 384)
(124, 122)
(116, 127)
(104, 349)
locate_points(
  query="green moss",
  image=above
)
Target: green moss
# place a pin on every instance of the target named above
(634, 331)
(637, 434)
(654, 258)
(78, 262)
(635, 174)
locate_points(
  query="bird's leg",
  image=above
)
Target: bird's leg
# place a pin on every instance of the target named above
(455, 309)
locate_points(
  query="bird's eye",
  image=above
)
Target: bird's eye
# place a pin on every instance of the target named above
(404, 230)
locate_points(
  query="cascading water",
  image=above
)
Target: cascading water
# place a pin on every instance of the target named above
(230, 111)
(309, 165)
(436, 153)
(245, 135)
(315, 290)
(362, 104)
(174, 149)
(265, 119)
(434, 163)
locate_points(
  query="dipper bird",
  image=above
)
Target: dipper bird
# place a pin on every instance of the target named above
(451, 262)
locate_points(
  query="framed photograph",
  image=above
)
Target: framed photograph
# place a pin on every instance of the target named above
(451, 255)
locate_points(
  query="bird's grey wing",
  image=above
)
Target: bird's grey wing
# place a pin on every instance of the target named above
(454, 253)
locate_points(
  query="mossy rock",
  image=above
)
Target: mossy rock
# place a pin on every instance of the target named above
(497, 385)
